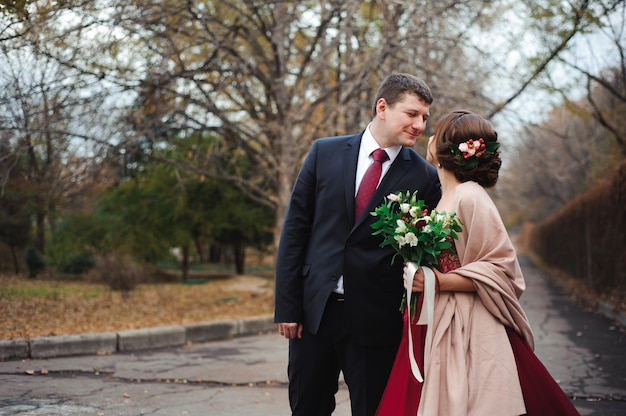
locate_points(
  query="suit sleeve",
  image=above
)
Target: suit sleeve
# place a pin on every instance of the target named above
(293, 243)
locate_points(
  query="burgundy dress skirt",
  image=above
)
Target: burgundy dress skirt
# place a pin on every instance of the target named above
(402, 393)
(542, 394)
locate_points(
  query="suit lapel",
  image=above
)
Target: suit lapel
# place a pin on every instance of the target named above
(351, 155)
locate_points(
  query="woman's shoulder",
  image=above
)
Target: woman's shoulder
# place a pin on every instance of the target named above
(470, 194)
(470, 185)
(471, 189)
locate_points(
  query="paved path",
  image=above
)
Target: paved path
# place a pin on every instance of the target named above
(246, 375)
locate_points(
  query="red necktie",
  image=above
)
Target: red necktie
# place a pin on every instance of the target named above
(369, 182)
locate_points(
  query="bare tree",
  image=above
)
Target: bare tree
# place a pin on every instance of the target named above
(47, 113)
(264, 79)
(605, 75)
(560, 154)
(555, 161)
(247, 85)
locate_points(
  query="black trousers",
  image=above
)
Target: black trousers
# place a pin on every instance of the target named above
(315, 362)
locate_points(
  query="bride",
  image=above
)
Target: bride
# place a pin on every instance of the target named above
(481, 359)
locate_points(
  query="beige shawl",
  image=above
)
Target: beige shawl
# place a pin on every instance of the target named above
(471, 368)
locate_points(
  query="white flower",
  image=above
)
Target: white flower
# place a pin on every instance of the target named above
(415, 212)
(465, 148)
(402, 228)
(411, 239)
(405, 208)
(393, 197)
(400, 240)
(427, 229)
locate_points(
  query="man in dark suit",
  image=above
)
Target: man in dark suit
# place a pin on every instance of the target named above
(337, 293)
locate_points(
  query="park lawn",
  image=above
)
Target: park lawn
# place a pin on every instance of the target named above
(37, 307)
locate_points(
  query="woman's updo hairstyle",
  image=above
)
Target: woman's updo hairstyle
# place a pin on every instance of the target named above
(461, 126)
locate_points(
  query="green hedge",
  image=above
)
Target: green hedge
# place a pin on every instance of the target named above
(587, 237)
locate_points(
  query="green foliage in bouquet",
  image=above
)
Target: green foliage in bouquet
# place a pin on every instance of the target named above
(415, 234)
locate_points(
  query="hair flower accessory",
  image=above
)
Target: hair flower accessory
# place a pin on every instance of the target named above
(470, 152)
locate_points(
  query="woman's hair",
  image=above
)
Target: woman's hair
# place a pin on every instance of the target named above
(461, 126)
(395, 86)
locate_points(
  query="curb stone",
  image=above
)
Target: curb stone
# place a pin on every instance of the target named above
(133, 340)
(165, 337)
(210, 331)
(150, 338)
(80, 344)
(611, 312)
(603, 308)
(14, 348)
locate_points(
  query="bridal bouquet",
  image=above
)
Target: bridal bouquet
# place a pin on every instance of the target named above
(415, 234)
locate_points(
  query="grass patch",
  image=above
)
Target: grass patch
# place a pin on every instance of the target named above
(14, 289)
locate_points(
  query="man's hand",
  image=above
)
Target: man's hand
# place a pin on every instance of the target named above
(289, 329)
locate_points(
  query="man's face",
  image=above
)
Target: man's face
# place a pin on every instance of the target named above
(404, 122)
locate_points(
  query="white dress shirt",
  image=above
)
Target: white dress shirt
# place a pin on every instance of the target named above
(368, 145)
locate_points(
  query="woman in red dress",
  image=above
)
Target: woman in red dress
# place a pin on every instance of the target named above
(480, 360)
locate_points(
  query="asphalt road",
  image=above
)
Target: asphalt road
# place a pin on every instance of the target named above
(584, 351)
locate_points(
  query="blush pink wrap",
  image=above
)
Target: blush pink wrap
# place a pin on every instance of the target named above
(471, 369)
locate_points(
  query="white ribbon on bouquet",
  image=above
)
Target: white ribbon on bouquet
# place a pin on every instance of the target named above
(425, 316)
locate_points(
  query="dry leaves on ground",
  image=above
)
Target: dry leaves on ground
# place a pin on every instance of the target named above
(33, 308)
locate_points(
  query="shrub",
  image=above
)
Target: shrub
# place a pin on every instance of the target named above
(79, 264)
(585, 238)
(118, 271)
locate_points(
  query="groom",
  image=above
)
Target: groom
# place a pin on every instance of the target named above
(337, 293)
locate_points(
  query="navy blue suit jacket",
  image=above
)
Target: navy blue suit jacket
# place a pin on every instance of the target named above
(321, 241)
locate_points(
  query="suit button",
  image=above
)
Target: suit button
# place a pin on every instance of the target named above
(334, 276)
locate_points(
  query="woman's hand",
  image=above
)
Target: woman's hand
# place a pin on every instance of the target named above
(450, 282)
(418, 280)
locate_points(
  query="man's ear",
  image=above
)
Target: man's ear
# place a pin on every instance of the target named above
(381, 108)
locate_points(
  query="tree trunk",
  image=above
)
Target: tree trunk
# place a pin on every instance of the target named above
(185, 262)
(16, 263)
(240, 258)
(198, 244)
(40, 232)
(215, 253)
